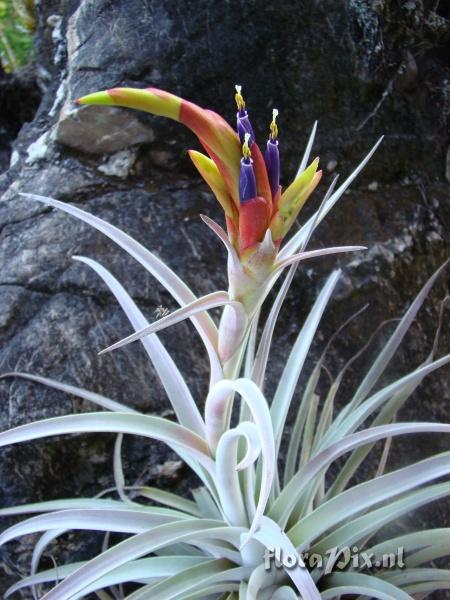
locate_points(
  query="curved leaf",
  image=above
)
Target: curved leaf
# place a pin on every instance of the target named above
(173, 284)
(296, 241)
(339, 584)
(143, 543)
(272, 536)
(106, 519)
(169, 375)
(191, 579)
(138, 571)
(289, 496)
(73, 391)
(359, 415)
(216, 407)
(291, 373)
(360, 497)
(213, 300)
(65, 504)
(391, 346)
(153, 427)
(307, 152)
(358, 528)
(227, 478)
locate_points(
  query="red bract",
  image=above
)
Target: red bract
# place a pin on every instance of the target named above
(248, 219)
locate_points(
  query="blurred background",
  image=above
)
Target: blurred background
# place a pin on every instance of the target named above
(362, 68)
(18, 22)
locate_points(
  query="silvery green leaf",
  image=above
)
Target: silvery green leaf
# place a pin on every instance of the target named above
(426, 587)
(206, 504)
(339, 584)
(148, 426)
(119, 477)
(260, 582)
(412, 541)
(168, 499)
(210, 592)
(203, 575)
(253, 446)
(251, 348)
(409, 576)
(65, 504)
(385, 415)
(294, 365)
(309, 430)
(297, 240)
(139, 570)
(216, 410)
(361, 497)
(295, 438)
(284, 593)
(124, 520)
(243, 588)
(272, 536)
(39, 548)
(213, 300)
(73, 391)
(286, 503)
(391, 346)
(430, 553)
(296, 258)
(179, 290)
(296, 435)
(307, 153)
(227, 476)
(48, 576)
(364, 410)
(326, 416)
(359, 527)
(192, 530)
(260, 365)
(169, 374)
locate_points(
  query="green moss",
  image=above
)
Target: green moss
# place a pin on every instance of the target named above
(17, 23)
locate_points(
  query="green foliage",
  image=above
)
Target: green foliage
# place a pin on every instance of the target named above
(17, 24)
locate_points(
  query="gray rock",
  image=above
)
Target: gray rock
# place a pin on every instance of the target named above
(119, 164)
(318, 60)
(14, 112)
(93, 130)
(447, 165)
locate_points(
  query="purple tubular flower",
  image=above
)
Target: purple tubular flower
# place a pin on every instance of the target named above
(272, 160)
(247, 181)
(244, 126)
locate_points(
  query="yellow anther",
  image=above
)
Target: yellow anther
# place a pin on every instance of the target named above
(273, 125)
(238, 97)
(245, 148)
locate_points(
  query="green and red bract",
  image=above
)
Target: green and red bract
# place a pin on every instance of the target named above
(234, 161)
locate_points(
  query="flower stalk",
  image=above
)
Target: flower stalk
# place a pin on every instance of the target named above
(246, 183)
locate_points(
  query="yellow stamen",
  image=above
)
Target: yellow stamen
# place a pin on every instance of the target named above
(273, 125)
(238, 97)
(245, 149)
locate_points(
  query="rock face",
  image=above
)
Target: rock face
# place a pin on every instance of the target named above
(362, 68)
(13, 110)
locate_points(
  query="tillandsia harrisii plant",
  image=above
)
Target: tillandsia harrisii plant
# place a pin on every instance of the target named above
(220, 542)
